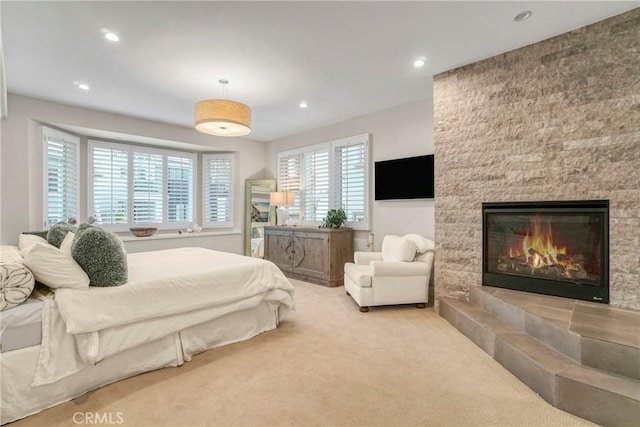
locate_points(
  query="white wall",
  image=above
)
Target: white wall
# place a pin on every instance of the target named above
(403, 131)
(21, 164)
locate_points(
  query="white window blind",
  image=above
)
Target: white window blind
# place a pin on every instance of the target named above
(350, 190)
(110, 179)
(334, 175)
(180, 188)
(135, 186)
(148, 179)
(218, 191)
(61, 176)
(289, 173)
(316, 188)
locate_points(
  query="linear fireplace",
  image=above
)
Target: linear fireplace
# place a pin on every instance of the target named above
(553, 248)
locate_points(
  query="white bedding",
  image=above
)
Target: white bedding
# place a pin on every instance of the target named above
(19, 399)
(205, 278)
(21, 326)
(83, 327)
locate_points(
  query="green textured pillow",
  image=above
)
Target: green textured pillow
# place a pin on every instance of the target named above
(101, 255)
(84, 227)
(58, 231)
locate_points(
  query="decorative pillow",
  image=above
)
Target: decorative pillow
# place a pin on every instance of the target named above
(16, 281)
(25, 241)
(56, 233)
(10, 253)
(101, 255)
(53, 268)
(84, 227)
(396, 248)
(422, 243)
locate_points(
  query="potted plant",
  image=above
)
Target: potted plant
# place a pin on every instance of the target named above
(334, 219)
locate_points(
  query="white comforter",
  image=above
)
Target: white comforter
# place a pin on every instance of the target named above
(167, 291)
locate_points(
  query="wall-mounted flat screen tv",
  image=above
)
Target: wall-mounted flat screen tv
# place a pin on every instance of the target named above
(407, 178)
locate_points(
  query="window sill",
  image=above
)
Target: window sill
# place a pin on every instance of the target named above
(175, 235)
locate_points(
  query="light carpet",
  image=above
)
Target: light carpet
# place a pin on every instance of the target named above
(327, 365)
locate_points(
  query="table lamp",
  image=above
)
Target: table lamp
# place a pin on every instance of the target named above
(282, 199)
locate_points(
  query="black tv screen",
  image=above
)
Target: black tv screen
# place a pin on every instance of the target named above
(408, 178)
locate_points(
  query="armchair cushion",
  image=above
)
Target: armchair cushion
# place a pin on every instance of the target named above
(422, 243)
(396, 248)
(360, 275)
(398, 269)
(364, 258)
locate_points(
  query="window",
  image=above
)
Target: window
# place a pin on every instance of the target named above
(335, 175)
(148, 194)
(350, 189)
(110, 175)
(130, 185)
(316, 184)
(218, 190)
(289, 171)
(180, 188)
(61, 176)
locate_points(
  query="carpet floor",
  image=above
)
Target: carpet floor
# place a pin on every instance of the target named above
(328, 365)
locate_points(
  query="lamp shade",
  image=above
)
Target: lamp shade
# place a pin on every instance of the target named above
(222, 117)
(282, 198)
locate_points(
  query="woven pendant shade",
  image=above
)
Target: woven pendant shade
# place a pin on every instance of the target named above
(223, 117)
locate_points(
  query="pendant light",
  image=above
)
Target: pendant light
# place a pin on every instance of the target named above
(222, 117)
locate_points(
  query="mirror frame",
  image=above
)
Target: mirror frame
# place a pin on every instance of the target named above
(249, 184)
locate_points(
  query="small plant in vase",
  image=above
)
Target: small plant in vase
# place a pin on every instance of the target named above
(334, 219)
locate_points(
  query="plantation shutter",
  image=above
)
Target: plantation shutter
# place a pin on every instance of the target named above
(316, 188)
(148, 184)
(110, 181)
(62, 171)
(218, 200)
(180, 189)
(289, 173)
(349, 181)
(331, 175)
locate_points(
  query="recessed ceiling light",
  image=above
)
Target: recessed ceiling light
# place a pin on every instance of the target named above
(112, 37)
(522, 16)
(303, 104)
(83, 86)
(420, 62)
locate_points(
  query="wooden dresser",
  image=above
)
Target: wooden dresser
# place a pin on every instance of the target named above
(316, 255)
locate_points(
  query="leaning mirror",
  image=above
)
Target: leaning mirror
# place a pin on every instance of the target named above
(258, 213)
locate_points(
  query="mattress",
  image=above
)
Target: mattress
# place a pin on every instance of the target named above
(21, 326)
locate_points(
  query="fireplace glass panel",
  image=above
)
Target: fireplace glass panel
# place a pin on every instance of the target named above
(557, 250)
(563, 246)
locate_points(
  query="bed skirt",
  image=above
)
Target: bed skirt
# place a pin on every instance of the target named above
(20, 399)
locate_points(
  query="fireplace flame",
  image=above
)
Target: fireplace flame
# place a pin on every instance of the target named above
(539, 251)
(538, 247)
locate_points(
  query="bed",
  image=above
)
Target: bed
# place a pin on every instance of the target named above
(175, 304)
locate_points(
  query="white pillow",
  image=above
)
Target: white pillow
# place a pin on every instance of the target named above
(65, 248)
(25, 241)
(396, 248)
(422, 243)
(67, 242)
(53, 268)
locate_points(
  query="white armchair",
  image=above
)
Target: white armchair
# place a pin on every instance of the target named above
(399, 274)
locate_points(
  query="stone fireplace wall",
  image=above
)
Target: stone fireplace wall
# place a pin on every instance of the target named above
(556, 120)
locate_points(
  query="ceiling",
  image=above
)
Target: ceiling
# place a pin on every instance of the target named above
(345, 59)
